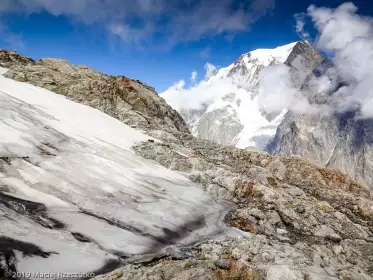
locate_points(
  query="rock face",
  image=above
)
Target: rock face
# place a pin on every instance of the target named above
(130, 101)
(302, 60)
(341, 140)
(223, 124)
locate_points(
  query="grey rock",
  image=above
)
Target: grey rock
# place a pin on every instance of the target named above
(256, 213)
(300, 208)
(221, 125)
(195, 273)
(302, 60)
(281, 231)
(9, 58)
(283, 272)
(224, 264)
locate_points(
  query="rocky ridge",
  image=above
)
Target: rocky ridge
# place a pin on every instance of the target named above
(127, 100)
(10, 58)
(298, 220)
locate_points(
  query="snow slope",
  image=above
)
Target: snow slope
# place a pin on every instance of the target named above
(230, 101)
(74, 197)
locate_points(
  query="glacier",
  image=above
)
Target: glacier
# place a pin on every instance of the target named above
(74, 196)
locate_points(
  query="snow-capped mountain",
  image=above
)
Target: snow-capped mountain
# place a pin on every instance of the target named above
(230, 113)
(246, 69)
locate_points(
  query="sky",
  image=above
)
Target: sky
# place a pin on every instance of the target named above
(156, 41)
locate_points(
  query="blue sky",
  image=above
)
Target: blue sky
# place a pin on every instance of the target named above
(156, 41)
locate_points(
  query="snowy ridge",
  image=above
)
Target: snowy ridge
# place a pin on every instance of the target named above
(258, 57)
(266, 56)
(74, 197)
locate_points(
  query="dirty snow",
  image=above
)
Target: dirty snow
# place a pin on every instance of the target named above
(79, 163)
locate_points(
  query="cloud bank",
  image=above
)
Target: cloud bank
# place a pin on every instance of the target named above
(146, 21)
(180, 96)
(276, 92)
(348, 39)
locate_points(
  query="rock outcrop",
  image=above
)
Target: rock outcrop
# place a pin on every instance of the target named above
(223, 124)
(127, 100)
(9, 58)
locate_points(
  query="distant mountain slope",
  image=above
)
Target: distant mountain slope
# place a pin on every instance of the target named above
(342, 140)
(233, 116)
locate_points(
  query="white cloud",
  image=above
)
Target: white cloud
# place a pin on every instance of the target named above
(128, 34)
(194, 97)
(299, 26)
(276, 92)
(210, 70)
(349, 37)
(142, 20)
(193, 77)
(178, 86)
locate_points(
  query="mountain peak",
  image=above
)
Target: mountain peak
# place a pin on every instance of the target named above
(304, 48)
(240, 122)
(302, 59)
(254, 59)
(266, 56)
